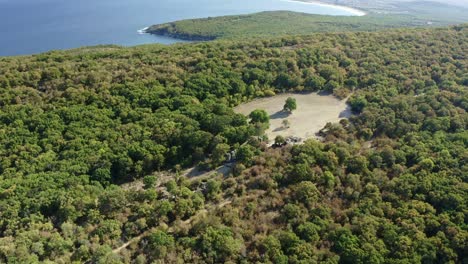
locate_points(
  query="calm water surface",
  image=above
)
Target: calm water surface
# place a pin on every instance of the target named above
(32, 26)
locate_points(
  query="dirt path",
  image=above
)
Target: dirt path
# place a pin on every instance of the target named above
(204, 211)
(191, 174)
(196, 173)
(207, 208)
(313, 112)
(131, 241)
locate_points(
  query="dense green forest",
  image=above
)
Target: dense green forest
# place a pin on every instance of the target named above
(277, 23)
(292, 23)
(93, 143)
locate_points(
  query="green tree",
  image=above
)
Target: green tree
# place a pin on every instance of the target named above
(306, 192)
(280, 140)
(219, 154)
(149, 181)
(309, 232)
(272, 247)
(348, 246)
(218, 244)
(160, 243)
(213, 188)
(245, 154)
(290, 104)
(314, 83)
(259, 116)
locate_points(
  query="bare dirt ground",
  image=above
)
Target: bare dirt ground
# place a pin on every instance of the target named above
(196, 173)
(313, 112)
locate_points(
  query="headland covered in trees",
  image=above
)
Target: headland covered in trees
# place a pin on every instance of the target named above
(380, 15)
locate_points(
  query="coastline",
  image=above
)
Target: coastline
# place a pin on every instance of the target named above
(170, 30)
(143, 30)
(352, 10)
(167, 30)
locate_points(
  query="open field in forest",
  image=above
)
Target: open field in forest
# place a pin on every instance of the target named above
(313, 112)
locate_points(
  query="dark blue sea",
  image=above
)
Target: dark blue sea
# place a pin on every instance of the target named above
(33, 26)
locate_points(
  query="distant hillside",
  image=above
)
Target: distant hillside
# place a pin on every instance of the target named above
(435, 11)
(451, 7)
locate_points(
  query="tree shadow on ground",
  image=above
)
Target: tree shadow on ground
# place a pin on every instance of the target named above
(198, 171)
(280, 114)
(324, 93)
(346, 113)
(280, 129)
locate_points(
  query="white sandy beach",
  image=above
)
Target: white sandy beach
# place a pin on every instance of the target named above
(142, 31)
(354, 11)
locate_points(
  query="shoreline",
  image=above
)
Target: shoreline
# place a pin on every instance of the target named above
(165, 30)
(143, 30)
(355, 11)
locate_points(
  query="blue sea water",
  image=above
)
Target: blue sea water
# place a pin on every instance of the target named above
(33, 26)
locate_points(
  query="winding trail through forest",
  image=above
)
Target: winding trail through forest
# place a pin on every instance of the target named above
(171, 229)
(133, 240)
(191, 174)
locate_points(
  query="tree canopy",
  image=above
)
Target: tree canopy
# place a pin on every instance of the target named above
(94, 143)
(290, 104)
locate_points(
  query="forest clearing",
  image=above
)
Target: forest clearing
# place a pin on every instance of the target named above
(313, 112)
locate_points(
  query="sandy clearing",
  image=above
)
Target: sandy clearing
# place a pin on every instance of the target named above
(313, 112)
